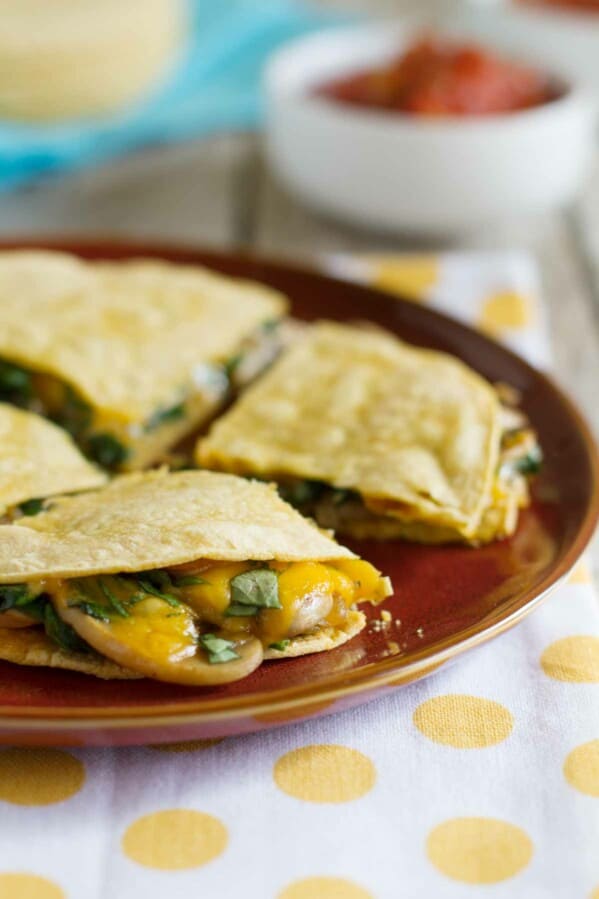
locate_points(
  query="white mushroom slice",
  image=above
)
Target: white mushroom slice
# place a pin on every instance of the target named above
(147, 635)
(312, 612)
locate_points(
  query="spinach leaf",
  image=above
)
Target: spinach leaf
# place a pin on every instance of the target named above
(237, 610)
(280, 645)
(147, 584)
(116, 604)
(161, 416)
(75, 415)
(20, 597)
(93, 609)
(105, 449)
(271, 324)
(340, 495)
(231, 364)
(62, 634)
(15, 384)
(35, 609)
(531, 463)
(31, 506)
(217, 649)
(301, 493)
(258, 588)
(14, 596)
(190, 580)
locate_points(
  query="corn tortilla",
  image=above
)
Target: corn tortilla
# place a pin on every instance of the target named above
(155, 519)
(129, 336)
(413, 431)
(38, 459)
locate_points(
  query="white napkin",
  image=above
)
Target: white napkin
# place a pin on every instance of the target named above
(482, 780)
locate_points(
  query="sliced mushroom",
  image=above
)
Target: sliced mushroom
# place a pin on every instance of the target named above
(13, 619)
(156, 640)
(310, 613)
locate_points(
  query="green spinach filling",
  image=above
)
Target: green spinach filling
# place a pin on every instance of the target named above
(37, 605)
(305, 494)
(31, 507)
(15, 384)
(22, 388)
(60, 403)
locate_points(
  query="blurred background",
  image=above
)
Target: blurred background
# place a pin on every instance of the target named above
(172, 121)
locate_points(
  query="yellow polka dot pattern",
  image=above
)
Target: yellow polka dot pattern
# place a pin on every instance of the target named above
(581, 574)
(325, 773)
(175, 839)
(39, 776)
(324, 888)
(28, 886)
(508, 311)
(478, 850)
(410, 277)
(581, 768)
(573, 659)
(464, 722)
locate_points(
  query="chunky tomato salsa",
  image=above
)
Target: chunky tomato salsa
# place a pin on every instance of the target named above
(434, 77)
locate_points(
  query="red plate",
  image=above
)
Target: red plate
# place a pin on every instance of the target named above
(448, 599)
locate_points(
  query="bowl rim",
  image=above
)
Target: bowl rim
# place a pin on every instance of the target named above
(576, 97)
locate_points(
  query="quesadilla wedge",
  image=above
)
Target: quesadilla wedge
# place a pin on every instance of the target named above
(187, 577)
(38, 460)
(376, 438)
(131, 356)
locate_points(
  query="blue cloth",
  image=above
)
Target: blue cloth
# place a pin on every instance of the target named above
(215, 87)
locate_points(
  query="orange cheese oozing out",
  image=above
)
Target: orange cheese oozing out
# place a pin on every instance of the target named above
(343, 583)
(157, 633)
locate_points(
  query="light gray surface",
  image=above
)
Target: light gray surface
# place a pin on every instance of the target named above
(219, 193)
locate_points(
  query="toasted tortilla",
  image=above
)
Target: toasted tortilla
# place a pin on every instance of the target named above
(38, 459)
(31, 646)
(353, 518)
(126, 336)
(415, 432)
(322, 640)
(155, 519)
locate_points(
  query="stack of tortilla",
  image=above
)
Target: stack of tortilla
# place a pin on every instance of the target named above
(65, 58)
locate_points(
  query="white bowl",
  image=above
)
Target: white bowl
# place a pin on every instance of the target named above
(397, 172)
(569, 38)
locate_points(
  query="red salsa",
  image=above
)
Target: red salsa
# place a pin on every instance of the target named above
(436, 78)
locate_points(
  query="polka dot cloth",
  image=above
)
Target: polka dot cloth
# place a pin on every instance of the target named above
(481, 780)
(498, 292)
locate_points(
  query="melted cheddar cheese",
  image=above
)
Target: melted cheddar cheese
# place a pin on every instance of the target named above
(339, 585)
(155, 622)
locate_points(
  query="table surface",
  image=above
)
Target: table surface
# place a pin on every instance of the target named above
(218, 192)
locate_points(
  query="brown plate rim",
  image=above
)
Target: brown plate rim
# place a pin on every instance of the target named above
(367, 678)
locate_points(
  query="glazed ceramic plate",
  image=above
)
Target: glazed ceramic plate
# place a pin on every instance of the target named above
(447, 599)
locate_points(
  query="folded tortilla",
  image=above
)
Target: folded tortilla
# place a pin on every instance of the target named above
(138, 352)
(144, 571)
(408, 438)
(38, 460)
(32, 647)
